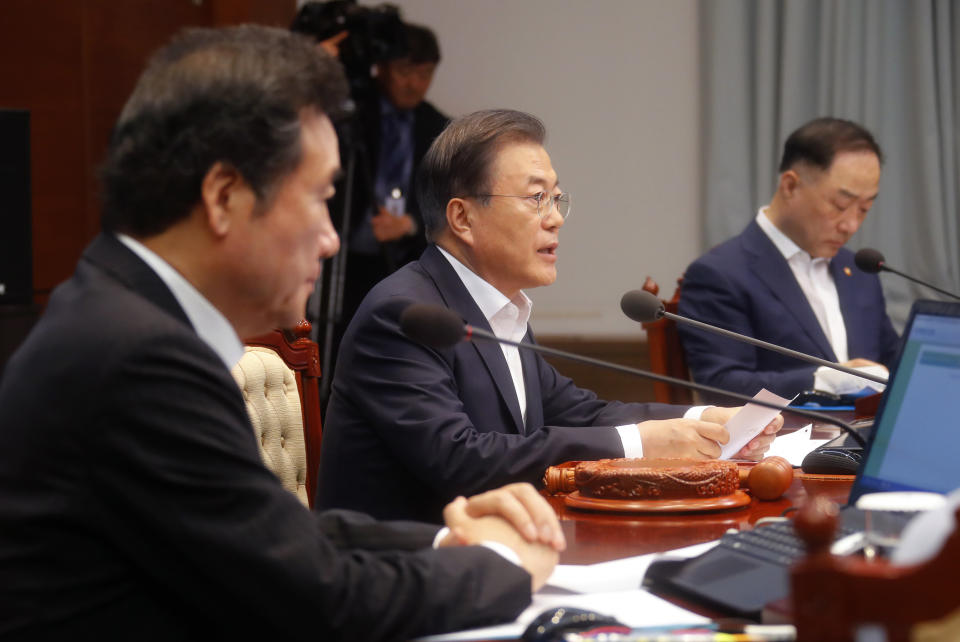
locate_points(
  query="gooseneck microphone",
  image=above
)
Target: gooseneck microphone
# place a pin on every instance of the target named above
(439, 327)
(872, 261)
(644, 307)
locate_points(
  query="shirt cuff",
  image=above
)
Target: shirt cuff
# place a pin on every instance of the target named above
(695, 412)
(503, 551)
(443, 532)
(630, 438)
(500, 549)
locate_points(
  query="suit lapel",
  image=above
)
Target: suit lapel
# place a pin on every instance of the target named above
(768, 264)
(531, 382)
(111, 256)
(456, 297)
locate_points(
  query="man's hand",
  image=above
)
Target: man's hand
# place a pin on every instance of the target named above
(389, 227)
(757, 446)
(860, 363)
(522, 506)
(515, 516)
(332, 44)
(687, 438)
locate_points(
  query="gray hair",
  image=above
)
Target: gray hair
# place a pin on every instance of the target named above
(459, 162)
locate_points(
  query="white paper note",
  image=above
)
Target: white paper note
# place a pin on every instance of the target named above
(750, 421)
(794, 446)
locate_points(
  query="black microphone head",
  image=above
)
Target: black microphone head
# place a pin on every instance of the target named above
(641, 306)
(432, 325)
(869, 260)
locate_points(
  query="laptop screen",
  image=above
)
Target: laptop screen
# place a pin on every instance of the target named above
(916, 437)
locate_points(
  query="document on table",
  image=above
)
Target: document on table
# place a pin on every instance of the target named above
(611, 588)
(750, 422)
(794, 446)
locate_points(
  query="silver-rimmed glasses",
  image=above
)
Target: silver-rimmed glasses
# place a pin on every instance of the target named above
(545, 202)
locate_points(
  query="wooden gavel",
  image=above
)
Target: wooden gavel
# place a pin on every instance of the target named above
(766, 480)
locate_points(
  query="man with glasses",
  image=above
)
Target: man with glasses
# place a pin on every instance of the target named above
(409, 427)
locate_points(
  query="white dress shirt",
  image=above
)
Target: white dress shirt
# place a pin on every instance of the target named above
(813, 275)
(818, 286)
(508, 320)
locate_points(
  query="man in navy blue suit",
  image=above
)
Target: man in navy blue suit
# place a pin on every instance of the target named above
(410, 427)
(787, 278)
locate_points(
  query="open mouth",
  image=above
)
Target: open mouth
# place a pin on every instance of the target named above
(550, 250)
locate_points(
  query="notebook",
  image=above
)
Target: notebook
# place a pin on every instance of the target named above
(913, 446)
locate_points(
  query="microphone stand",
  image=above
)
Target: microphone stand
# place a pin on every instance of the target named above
(769, 346)
(884, 267)
(472, 333)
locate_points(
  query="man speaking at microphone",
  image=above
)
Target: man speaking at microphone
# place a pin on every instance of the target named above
(410, 427)
(788, 280)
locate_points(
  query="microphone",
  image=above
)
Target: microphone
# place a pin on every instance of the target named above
(872, 261)
(439, 327)
(644, 307)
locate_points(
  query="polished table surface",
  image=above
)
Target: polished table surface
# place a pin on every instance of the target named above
(601, 536)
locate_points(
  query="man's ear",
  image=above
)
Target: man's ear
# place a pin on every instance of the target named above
(225, 196)
(789, 183)
(460, 219)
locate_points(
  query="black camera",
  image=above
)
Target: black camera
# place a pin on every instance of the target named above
(375, 34)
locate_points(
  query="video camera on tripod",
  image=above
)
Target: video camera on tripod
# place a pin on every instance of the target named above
(375, 34)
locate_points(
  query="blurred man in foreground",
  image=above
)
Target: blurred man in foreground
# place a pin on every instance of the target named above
(133, 502)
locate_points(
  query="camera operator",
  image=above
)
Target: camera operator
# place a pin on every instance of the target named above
(390, 65)
(399, 126)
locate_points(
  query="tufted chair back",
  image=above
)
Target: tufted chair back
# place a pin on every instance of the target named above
(278, 376)
(269, 388)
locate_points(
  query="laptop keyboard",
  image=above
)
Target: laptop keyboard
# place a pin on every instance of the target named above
(777, 542)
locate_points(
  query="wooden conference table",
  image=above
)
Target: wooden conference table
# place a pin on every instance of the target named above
(602, 536)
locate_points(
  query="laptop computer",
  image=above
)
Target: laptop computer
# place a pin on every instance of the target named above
(912, 446)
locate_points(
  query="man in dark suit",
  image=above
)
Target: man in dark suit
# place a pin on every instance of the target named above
(133, 502)
(409, 427)
(787, 278)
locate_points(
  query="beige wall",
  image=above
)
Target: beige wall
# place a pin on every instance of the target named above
(616, 82)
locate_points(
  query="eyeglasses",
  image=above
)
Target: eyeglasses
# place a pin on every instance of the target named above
(545, 202)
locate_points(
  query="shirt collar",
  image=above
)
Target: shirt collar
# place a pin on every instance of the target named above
(787, 247)
(209, 323)
(489, 299)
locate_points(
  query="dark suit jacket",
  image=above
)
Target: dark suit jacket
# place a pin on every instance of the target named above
(409, 428)
(745, 285)
(133, 503)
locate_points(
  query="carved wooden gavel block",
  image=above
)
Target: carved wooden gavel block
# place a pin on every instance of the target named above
(766, 480)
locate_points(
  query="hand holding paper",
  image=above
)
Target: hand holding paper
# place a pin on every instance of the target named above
(750, 422)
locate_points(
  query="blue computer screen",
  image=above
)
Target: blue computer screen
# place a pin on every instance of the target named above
(916, 438)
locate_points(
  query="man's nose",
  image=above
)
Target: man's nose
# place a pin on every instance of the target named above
(329, 243)
(850, 221)
(552, 218)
